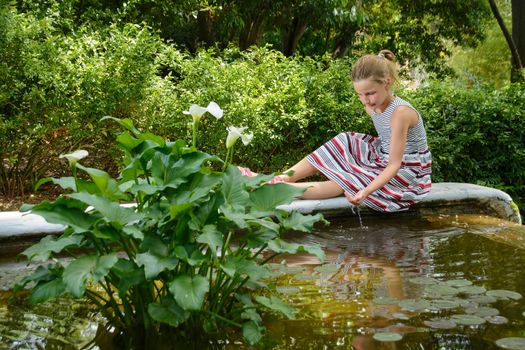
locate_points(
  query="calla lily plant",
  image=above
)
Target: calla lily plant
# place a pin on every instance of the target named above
(188, 258)
(197, 112)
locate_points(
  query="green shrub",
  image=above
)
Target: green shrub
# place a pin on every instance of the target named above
(476, 134)
(190, 258)
(55, 88)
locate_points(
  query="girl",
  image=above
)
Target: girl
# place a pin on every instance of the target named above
(387, 173)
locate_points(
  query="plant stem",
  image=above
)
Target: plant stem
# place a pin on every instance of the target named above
(226, 160)
(194, 138)
(233, 323)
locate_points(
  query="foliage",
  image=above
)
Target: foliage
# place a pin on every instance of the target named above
(291, 104)
(476, 134)
(189, 255)
(420, 31)
(488, 63)
(55, 87)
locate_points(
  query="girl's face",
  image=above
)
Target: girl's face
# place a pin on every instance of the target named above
(375, 96)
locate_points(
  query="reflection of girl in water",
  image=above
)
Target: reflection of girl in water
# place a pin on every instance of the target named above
(346, 296)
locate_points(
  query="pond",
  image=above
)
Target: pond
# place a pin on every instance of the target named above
(439, 282)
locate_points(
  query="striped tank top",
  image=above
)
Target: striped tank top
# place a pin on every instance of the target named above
(416, 137)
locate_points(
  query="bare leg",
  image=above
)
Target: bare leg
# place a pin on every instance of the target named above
(300, 171)
(319, 190)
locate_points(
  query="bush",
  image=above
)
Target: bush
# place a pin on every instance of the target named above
(292, 105)
(476, 135)
(55, 89)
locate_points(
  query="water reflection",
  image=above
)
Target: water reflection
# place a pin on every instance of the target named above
(350, 297)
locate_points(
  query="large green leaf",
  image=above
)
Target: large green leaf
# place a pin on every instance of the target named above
(129, 274)
(277, 304)
(189, 292)
(268, 197)
(299, 222)
(177, 210)
(233, 190)
(188, 164)
(245, 267)
(168, 312)
(40, 275)
(46, 291)
(127, 141)
(105, 183)
(155, 264)
(89, 267)
(125, 122)
(112, 211)
(239, 218)
(207, 212)
(134, 231)
(280, 246)
(49, 244)
(212, 237)
(252, 332)
(65, 212)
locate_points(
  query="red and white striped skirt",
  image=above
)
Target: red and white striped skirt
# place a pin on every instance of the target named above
(354, 160)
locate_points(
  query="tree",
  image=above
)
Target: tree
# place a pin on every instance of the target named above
(417, 30)
(517, 63)
(424, 31)
(518, 36)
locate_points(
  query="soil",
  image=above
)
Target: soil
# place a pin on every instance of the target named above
(14, 203)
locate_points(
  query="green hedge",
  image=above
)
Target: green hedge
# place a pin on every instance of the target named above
(56, 87)
(476, 135)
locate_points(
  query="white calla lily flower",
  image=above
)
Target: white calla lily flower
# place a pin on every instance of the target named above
(246, 138)
(196, 112)
(235, 133)
(215, 110)
(74, 157)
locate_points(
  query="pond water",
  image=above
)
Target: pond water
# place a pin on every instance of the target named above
(440, 282)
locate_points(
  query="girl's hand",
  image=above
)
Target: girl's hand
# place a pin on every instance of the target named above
(357, 199)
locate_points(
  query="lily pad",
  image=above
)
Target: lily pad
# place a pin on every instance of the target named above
(504, 294)
(414, 305)
(511, 343)
(482, 311)
(443, 304)
(472, 290)
(441, 289)
(385, 301)
(401, 316)
(467, 303)
(424, 280)
(497, 319)
(468, 320)
(458, 283)
(387, 336)
(328, 268)
(482, 299)
(440, 323)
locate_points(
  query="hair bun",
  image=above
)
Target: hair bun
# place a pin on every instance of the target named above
(389, 55)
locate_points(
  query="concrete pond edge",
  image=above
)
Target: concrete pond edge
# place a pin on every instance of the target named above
(446, 198)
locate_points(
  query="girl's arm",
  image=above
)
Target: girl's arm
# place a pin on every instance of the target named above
(402, 119)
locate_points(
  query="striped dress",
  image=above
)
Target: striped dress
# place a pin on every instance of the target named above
(354, 160)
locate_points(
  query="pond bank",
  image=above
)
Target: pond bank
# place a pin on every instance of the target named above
(445, 198)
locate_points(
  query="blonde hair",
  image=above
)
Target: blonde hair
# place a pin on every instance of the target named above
(378, 67)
